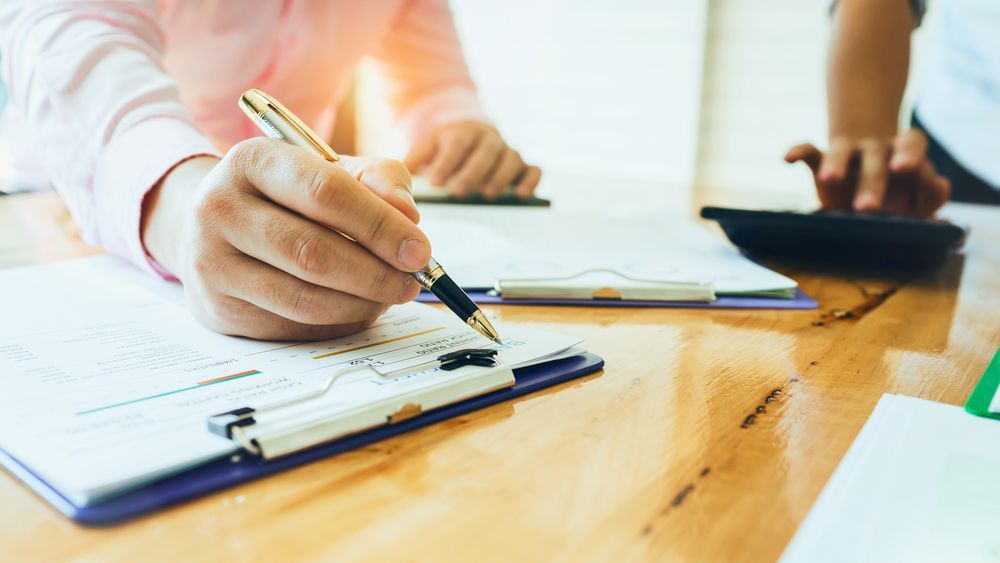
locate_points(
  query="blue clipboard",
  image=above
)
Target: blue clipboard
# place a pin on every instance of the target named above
(227, 472)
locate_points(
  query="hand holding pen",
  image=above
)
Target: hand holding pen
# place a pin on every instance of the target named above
(260, 240)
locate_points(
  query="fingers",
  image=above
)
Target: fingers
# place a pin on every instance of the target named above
(528, 182)
(909, 151)
(387, 178)
(874, 179)
(314, 253)
(836, 162)
(453, 146)
(236, 317)
(806, 153)
(510, 168)
(278, 292)
(421, 154)
(329, 195)
(480, 162)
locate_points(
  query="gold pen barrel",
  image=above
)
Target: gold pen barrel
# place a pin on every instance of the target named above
(277, 122)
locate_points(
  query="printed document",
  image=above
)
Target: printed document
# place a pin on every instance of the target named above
(106, 381)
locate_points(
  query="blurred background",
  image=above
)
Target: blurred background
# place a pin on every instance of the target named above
(667, 100)
(671, 98)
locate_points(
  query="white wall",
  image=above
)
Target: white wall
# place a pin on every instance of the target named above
(587, 88)
(764, 91)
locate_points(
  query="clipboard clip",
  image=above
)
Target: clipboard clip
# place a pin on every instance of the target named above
(232, 424)
(562, 287)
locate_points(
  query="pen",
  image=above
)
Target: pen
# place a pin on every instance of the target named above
(278, 123)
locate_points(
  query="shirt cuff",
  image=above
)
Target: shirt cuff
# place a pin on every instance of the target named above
(130, 165)
(919, 10)
(441, 108)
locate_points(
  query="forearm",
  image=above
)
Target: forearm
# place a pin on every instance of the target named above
(428, 79)
(99, 111)
(868, 66)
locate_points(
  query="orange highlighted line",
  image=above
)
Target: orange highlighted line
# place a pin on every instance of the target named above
(356, 348)
(230, 376)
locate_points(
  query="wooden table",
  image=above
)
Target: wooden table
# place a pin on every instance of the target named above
(708, 436)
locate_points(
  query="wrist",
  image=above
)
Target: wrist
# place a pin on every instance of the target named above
(167, 210)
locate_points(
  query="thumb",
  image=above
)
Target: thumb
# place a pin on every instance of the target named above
(388, 178)
(421, 154)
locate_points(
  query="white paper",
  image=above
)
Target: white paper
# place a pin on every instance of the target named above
(479, 245)
(995, 403)
(920, 483)
(106, 381)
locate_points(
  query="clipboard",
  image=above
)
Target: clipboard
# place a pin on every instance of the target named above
(800, 301)
(603, 284)
(982, 396)
(228, 472)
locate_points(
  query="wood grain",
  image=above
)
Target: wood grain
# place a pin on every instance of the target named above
(707, 437)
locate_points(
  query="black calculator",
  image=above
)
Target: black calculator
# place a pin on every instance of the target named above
(840, 237)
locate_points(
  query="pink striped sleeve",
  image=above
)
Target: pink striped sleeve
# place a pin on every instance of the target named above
(106, 121)
(429, 82)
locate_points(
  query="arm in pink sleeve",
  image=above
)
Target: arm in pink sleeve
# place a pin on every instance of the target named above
(429, 82)
(106, 121)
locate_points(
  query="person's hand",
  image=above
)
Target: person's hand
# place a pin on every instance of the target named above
(471, 157)
(876, 175)
(252, 239)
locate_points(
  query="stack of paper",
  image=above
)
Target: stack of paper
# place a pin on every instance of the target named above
(538, 252)
(106, 381)
(921, 482)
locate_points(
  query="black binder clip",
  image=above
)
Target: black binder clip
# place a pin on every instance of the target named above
(468, 357)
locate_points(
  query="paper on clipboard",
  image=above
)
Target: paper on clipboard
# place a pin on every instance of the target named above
(483, 245)
(106, 385)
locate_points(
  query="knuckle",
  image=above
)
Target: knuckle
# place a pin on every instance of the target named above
(393, 169)
(215, 204)
(378, 284)
(309, 256)
(246, 153)
(322, 189)
(228, 315)
(376, 225)
(205, 265)
(302, 306)
(398, 169)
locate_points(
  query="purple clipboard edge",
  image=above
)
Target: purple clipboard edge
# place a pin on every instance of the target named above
(800, 301)
(224, 473)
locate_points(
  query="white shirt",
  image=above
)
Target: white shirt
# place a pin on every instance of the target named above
(958, 98)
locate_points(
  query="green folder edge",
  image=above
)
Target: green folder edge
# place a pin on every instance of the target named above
(981, 397)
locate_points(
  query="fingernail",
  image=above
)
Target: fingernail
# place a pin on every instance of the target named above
(405, 195)
(408, 293)
(414, 254)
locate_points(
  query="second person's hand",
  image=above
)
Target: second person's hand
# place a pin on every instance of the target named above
(256, 240)
(876, 175)
(470, 157)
